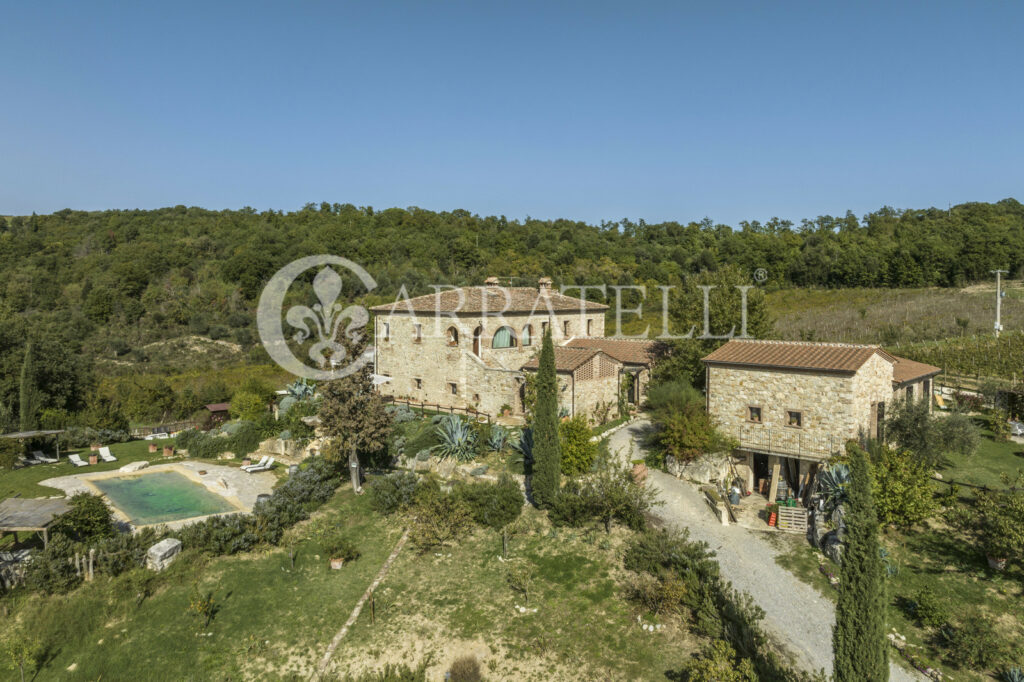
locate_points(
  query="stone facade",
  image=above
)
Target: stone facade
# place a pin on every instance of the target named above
(450, 359)
(591, 390)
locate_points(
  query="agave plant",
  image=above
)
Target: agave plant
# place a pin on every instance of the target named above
(498, 440)
(458, 439)
(1013, 675)
(525, 446)
(300, 389)
(833, 483)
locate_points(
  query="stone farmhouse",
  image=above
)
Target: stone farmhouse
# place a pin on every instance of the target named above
(472, 347)
(791, 405)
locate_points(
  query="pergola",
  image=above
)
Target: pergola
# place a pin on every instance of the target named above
(25, 435)
(31, 515)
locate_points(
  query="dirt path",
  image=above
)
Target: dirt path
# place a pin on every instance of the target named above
(325, 661)
(795, 613)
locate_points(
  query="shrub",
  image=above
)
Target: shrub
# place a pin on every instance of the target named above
(900, 483)
(973, 644)
(673, 396)
(656, 595)
(578, 452)
(1012, 675)
(657, 551)
(494, 505)
(718, 662)
(465, 669)
(124, 552)
(999, 523)
(338, 546)
(498, 439)
(51, 570)
(89, 518)
(930, 609)
(571, 507)
(247, 405)
(458, 439)
(10, 453)
(438, 519)
(614, 494)
(393, 492)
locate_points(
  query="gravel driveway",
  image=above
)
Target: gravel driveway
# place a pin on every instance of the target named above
(795, 613)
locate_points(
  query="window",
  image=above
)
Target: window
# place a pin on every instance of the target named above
(454, 388)
(504, 338)
(910, 393)
(794, 418)
(754, 414)
(543, 328)
(565, 328)
(476, 398)
(590, 327)
(453, 336)
(527, 335)
(417, 383)
(417, 330)
(387, 331)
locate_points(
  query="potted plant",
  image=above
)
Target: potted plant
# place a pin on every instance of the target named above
(168, 450)
(339, 549)
(247, 461)
(94, 458)
(506, 410)
(95, 447)
(153, 447)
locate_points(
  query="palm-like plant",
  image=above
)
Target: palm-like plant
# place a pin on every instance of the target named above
(458, 439)
(833, 483)
(1013, 675)
(525, 445)
(498, 440)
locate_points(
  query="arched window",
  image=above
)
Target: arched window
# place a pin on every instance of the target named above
(527, 336)
(453, 336)
(504, 338)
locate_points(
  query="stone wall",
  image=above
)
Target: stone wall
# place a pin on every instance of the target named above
(425, 370)
(826, 403)
(873, 385)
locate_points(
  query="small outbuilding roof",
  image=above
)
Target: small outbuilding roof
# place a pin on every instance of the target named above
(566, 359)
(906, 370)
(30, 514)
(802, 355)
(32, 434)
(626, 351)
(218, 407)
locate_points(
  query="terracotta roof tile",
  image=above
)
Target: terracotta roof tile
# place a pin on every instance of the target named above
(626, 351)
(566, 359)
(909, 370)
(825, 357)
(492, 299)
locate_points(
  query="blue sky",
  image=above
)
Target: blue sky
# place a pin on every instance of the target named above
(588, 110)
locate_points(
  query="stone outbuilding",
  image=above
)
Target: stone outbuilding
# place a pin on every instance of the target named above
(588, 382)
(792, 405)
(636, 356)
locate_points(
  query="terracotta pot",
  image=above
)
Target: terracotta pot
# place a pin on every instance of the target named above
(94, 459)
(247, 462)
(168, 451)
(152, 447)
(996, 564)
(337, 564)
(640, 472)
(95, 447)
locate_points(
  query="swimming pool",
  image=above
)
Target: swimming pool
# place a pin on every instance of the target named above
(160, 497)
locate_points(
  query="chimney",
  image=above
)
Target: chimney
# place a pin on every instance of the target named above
(544, 284)
(492, 282)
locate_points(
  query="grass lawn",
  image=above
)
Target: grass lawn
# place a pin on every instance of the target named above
(986, 466)
(441, 605)
(274, 622)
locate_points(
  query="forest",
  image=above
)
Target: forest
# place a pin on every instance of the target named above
(98, 293)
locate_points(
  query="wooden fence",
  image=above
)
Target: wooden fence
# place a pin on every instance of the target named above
(439, 409)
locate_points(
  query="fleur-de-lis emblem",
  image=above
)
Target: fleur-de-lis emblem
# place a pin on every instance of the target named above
(326, 317)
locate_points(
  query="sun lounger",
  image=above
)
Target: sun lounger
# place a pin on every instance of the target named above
(163, 435)
(265, 467)
(77, 461)
(106, 456)
(42, 457)
(258, 464)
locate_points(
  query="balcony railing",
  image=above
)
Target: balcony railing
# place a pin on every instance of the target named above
(789, 442)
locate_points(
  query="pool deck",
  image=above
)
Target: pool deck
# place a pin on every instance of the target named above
(231, 483)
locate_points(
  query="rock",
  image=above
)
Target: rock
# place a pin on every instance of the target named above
(445, 468)
(672, 466)
(711, 468)
(134, 466)
(226, 455)
(160, 555)
(833, 547)
(479, 471)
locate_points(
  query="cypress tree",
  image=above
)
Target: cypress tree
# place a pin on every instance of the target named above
(858, 641)
(547, 452)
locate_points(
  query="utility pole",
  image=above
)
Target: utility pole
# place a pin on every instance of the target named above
(999, 298)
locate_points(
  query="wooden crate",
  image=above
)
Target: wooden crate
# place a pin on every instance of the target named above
(793, 519)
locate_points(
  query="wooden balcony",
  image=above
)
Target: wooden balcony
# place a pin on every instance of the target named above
(789, 442)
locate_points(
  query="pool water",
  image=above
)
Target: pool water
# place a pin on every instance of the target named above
(160, 497)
